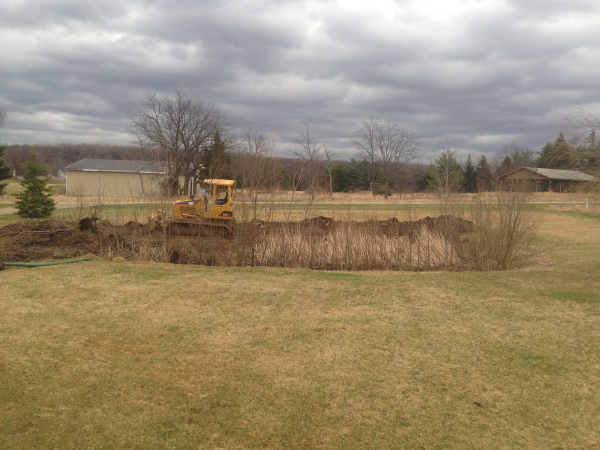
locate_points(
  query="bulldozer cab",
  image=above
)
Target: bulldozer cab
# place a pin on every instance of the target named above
(222, 203)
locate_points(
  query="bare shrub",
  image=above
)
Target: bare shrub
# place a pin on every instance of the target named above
(505, 232)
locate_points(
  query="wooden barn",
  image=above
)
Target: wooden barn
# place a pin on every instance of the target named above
(547, 177)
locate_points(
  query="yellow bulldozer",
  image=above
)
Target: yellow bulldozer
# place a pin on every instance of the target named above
(210, 209)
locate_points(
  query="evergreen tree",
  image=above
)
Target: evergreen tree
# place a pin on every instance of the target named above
(505, 167)
(5, 171)
(545, 156)
(588, 155)
(340, 181)
(35, 201)
(427, 179)
(364, 178)
(216, 161)
(590, 141)
(415, 177)
(348, 177)
(470, 177)
(485, 179)
(560, 154)
(448, 173)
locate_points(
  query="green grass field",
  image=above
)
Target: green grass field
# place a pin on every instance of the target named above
(58, 187)
(119, 355)
(115, 213)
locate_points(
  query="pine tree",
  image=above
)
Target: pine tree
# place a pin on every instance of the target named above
(485, 179)
(545, 156)
(426, 181)
(349, 178)
(559, 155)
(505, 167)
(216, 162)
(470, 177)
(4, 170)
(35, 201)
(588, 155)
(449, 172)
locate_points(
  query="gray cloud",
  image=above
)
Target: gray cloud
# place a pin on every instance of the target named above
(481, 73)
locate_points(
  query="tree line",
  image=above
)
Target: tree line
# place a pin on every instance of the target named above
(58, 156)
(195, 139)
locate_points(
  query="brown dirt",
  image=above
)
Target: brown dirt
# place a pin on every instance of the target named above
(33, 240)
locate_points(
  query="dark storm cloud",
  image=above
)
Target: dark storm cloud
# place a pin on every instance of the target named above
(480, 73)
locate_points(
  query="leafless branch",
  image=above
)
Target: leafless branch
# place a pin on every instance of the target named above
(175, 130)
(311, 154)
(385, 144)
(582, 120)
(255, 166)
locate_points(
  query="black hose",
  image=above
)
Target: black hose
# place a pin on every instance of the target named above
(46, 264)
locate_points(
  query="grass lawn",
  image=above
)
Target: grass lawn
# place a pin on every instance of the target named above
(139, 212)
(114, 213)
(119, 355)
(13, 187)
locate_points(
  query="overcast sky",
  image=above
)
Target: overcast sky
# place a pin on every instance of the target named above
(475, 73)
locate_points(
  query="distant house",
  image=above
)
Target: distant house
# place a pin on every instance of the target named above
(547, 176)
(109, 177)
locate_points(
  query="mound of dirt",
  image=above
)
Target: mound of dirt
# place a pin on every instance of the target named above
(31, 240)
(323, 223)
(87, 223)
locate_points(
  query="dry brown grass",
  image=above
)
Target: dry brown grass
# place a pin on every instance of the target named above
(421, 197)
(136, 355)
(352, 248)
(339, 197)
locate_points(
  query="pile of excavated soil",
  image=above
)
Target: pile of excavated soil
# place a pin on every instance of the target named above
(33, 240)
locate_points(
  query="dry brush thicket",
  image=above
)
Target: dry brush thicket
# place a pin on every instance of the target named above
(483, 235)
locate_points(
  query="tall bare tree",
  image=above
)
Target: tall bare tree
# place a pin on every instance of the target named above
(5, 171)
(175, 130)
(446, 183)
(310, 152)
(329, 162)
(384, 144)
(255, 167)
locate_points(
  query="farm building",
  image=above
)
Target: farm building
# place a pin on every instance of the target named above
(119, 178)
(544, 178)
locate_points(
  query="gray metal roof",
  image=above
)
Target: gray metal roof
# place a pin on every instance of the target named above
(116, 165)
(555, 174)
